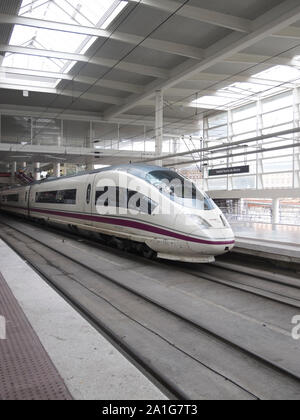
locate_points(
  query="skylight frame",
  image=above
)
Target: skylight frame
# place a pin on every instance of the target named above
(111, 10)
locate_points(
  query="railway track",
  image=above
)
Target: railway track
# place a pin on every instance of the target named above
(193, 346)
(274, 287)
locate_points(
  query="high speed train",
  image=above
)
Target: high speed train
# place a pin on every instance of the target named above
(149, 208)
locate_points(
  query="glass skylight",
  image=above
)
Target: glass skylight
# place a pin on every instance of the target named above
(211, 102)
(91, 13)
(268, 82)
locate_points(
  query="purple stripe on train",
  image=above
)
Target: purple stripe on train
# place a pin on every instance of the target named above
(133, 225)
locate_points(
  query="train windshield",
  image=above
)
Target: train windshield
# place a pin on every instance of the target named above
(180, 190)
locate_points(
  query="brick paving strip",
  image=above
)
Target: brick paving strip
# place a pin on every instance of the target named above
(26, 371)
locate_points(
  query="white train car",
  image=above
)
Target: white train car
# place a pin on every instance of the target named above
(131, 204)
(15, 200)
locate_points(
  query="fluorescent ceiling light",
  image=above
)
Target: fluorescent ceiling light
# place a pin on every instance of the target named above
(92, 13)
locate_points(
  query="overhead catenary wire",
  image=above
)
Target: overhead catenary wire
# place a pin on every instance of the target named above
(74, 100)
(173, 103)
(229, 145)
(262, 150)
(217, 108)
(212, 111)
(118, 62)
(70, 82)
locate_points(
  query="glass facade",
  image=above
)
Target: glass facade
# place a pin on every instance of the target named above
(276, 168)
(74, 133)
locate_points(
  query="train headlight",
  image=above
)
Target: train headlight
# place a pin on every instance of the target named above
(200, 221)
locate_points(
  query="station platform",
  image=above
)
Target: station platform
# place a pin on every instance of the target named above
(281, 243)
(50, 352)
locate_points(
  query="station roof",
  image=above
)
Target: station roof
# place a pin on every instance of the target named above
(109, 57)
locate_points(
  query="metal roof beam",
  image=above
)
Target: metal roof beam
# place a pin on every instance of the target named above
(124, 120)
(248, 78)
(151, 43)
(201, 15)
(287, 13)
(105, 62)
(292, 32)
(257, 59)
(74, 94)
(112, 84)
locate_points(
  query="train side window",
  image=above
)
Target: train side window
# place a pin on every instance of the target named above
(57, 197)
(12, 198)
(88, 194)
(98, 198)
(140, 202)
(48, 197)
(124, 199)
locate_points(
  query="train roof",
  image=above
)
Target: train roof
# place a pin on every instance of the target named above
(138, 170)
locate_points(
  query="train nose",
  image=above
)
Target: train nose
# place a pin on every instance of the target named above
(223, 240)
(215, 242)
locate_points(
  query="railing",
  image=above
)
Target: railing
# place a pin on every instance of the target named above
(25, 179)
(287, 217)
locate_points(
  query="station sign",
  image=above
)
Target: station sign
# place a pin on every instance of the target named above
(229, 171)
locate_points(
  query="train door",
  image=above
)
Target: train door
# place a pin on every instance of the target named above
(26, 199)
(88, 195)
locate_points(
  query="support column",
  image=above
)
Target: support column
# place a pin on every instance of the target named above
(90, 166)
(275, 212)
(37, 171)
(204, 164)
(259, 144)
(13, 168)
(296, 110)
(159, 120)
(229, 153)
(56, 169)
(175, 144)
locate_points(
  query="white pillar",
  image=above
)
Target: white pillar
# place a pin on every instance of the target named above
(90, 166)
(175, 145)
(259, 156)
(275, 212)
(37, 173)
(56, 169)
(230, 140)
(13, 169)
(159, 120)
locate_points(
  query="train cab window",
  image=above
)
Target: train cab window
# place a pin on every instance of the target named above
(57, 197)
(88, 194)
(180, 190)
